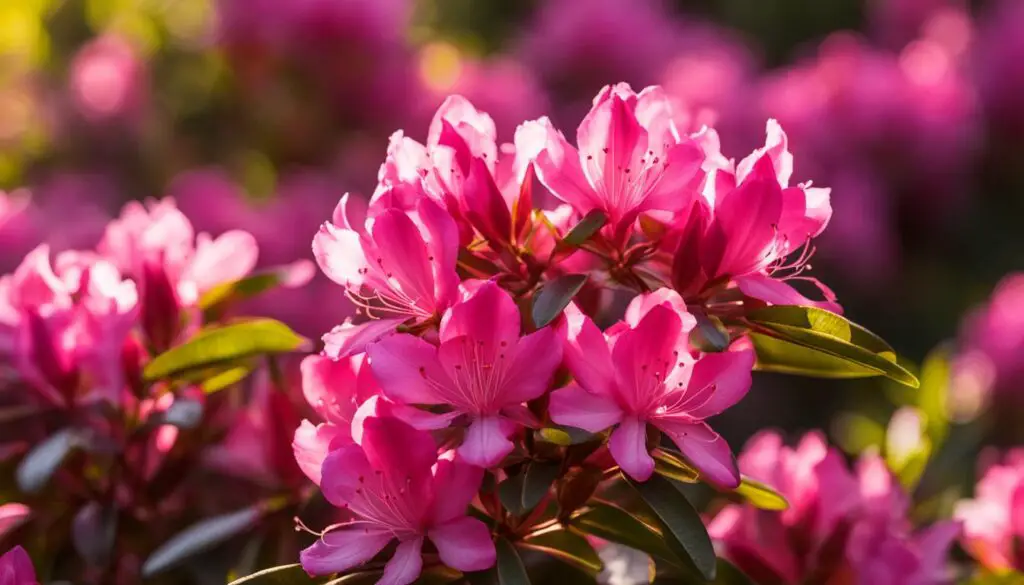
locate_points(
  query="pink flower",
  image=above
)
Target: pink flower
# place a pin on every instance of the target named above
(16, 568)
(12, 514)
(156, 245)
(641, 372)
(397, 487)
(992, 339)
(840, 527)
(107, 79)
(631, 158)
(746, 227)
(994, 520)
(399, 267)
(66, 326)
(482, 370)
(335, 389)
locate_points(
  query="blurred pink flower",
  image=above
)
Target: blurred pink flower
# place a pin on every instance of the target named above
(643, 372)
(107, 79)
(16, 568)
(993, 521)
(397, 487)
(482, 370)
(12, 514)
(998, 65)
(841, 526)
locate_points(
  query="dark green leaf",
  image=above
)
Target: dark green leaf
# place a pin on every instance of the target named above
(224, 344)
(710, 335)
(510, 493)
(565, 436)
(617, 525)
(566, 546)
(44, 459)
(682, 526)
(673, 466)
(729, 574)
(537, 482)
(586, 228)
(511, 570)
(830, 334)
(555, 296)
(201, 537)
(760, 495)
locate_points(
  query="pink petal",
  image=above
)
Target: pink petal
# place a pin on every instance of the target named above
(340, 475)
(312, 443)
(729, 373)
(612, 140)
(486, 442)
(350, 213)
(16, 568)
(456, 484)
(489, 316)
(745, 223)
(642, 304)
(476, 127)
(342, 549)
(628, 445)
(332, 387)
(705, 449)
(485, 207)
(404, 366)
(778, 292)
(682, 167)
(464, 544)
(380, 406)
(403, 257)
(405, 566)
(12, 514)
(586, 352)
(760, 456)
(226, 259)
(575, 407)
(776, 149)
(643, 356)
(396, 448)
(558, 168)
(536, 358)
(347, 339)
(441, 235)
(339, 253)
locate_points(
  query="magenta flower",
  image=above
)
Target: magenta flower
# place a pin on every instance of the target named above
(641, 372)
(840, 527)
(335, 389)
(482, 370)
(397, 487)
(631, 158)
(16, 568)
(990, 344)
(66, 326)
(994, 520)
(399, 267)
(746, 227)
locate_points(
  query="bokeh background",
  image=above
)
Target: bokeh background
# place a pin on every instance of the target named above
(259, 114)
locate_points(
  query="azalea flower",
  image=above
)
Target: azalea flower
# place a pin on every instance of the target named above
(397, 488)
(642, 373)
(16, 568)
(631, 158)
(994, 519)
(483, 370)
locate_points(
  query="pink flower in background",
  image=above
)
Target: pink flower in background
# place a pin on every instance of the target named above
(107, 79)
(16, 568)
(631, 159)
(993, 521)
(397, 487)
(998, 67)
(335, 389)
(990, 343)
(844, 526)
(398, 266)
(11, 206)
(483, 370)
(642, 372)
(12, 514)
(746, 227)
(66, 324)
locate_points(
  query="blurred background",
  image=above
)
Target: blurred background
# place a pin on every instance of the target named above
(259, 114)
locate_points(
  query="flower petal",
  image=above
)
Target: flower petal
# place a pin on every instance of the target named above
(486, 442)
(396, 448)
(405, 566)
(464, 544)
(312, 443)
(575, 407)
(347, 339)
(404, 366)
(628, 445)
(403, 258)
(456, 484)
(340, 550)
(729, 373)
(227, 258)
(331, 387)
(778, 292)
(340, 474)
(529, 374)
(705, 449)
(488, 316)
(558, 166)
(586, 352)
(339, 253)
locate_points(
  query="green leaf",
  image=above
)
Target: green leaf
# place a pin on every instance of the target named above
(566, 546)
(511, 570)
(200, 537)
(729, 574)
(586, 228)
(614, 524)
(510, 494)
(537, 482)
(39, 465)
(243, 288)
(222, 344)
(555, 296)
(682, 525)
(934, 394)
(857, 351)
(673, 466)
(907, 446)
(226, 378)
(280, 575)
(760, 495)
(565, 436)
(710, 335)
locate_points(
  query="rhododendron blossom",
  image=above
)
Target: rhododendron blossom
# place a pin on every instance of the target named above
(642, 372)
(482, 370)
(993, 520)
(396, 487)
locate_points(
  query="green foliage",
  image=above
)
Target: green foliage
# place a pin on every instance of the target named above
(566, 546)
(201, 537)
(586, 228)
(555, 296)
(39, 465)
(510, 567)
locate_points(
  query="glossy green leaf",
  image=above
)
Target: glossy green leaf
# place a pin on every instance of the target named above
(510, 494)
(673, 466)
(511, 570)
(710, 335)
(858, 352)
(224, 344)
(760, 495)
(614, 524)
(681, 524)
(555, 296)
(226, 378)
(244, 288)
(537, 482)
(586, 228)
(729, 574)
(199, 538)
(39, 465)
(566, 546)
(565, 436)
